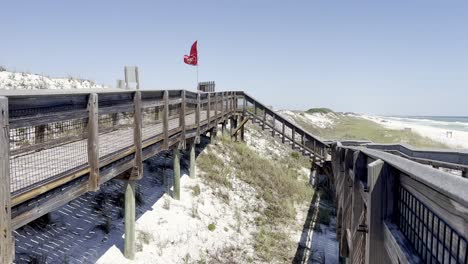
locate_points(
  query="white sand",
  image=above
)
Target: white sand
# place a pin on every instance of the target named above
(28, 81)
(458, 140)
(320, 120)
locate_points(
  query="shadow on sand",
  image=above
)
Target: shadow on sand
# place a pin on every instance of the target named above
(85, 228)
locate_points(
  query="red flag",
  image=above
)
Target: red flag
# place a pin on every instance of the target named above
(192, 59)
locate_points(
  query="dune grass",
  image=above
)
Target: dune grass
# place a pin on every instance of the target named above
(355, 128)
(277, 184)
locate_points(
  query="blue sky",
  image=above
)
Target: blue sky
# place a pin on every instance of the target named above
(381, 57)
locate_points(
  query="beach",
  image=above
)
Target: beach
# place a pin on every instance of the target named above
(443, 132)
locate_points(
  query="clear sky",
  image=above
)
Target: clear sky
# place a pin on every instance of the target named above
(406, 57)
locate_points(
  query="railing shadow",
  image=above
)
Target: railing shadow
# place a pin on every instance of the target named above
(303, 250)
(88, 226)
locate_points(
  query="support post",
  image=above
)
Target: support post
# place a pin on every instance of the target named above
(273, 125)
(208, 115)
(7, 249)
(465, 173)
(375, 250)
(129, 250)
(192, 160)
(166, 120)
(264, 119)
(216, 109)
(283, 135)
(182, 120)
(293, 137)
(93, 142)
(220, 105)
(137, 171)
(197, 115)
(176, 174)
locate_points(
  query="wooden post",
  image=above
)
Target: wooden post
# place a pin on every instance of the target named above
(129, 250)
(465, 173)
(255, 109)
(166, 120)
(264, 119)
(182, 119)
(93, 142)
(283, 134)
(7, 250)
(273, 124)
(197, 115)
(244, 108)
(375, 250)
(303, 142)
(192, 160)
(39, 134)
(209, 109)
(176, 174)
(137, 172)
(216, 107)
(293, 137)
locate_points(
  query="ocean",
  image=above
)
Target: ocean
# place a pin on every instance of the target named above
(459, 123)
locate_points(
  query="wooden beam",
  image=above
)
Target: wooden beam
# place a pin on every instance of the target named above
(293, 137)
(283, 134)
(6, 237)
(166, 120)
(208, 117)
(93, 142)
(197, 115)
(176, 174)
(273, 126)
(129, 249)
(137, 172)
(182, 120)
(192, 160)
(264, 119)
(375, 251)
(241, 125)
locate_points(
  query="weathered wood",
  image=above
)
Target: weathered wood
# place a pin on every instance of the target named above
(166, 120)
(137, 172)
(197, 114)
(293, 137)
(182, 121)
(264, 119)
(129, 249)
(375, 251)
(93, 142)
(208, 117)
(6, 236)
(273, 126)
(192, 160)
(176, 156)
(283, 134)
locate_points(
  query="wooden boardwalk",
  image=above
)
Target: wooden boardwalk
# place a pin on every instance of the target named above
(56, 146)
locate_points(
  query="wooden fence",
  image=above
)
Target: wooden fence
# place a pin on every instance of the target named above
(58, 145)
(393, 210)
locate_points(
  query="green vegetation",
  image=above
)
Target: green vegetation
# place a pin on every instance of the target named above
(277, 184)
(211, 227)
(196, 190)
(355, 128)
(319, 110)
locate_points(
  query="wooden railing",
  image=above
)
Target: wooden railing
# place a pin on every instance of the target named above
(393, 210)
(58, 145)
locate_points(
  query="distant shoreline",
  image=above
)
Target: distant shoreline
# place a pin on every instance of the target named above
(452, 133)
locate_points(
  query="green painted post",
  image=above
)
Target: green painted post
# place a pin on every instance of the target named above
(129, 250)
(176, 174)
(192, 161)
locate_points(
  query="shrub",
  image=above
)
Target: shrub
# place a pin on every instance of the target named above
(211, 227)
(319, 110)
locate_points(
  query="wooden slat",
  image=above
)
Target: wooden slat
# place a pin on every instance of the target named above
(93, 142)
(166, 120)
(182, 121)
(6, 237)
(137, 172)
(197, 114)
(374, 242)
